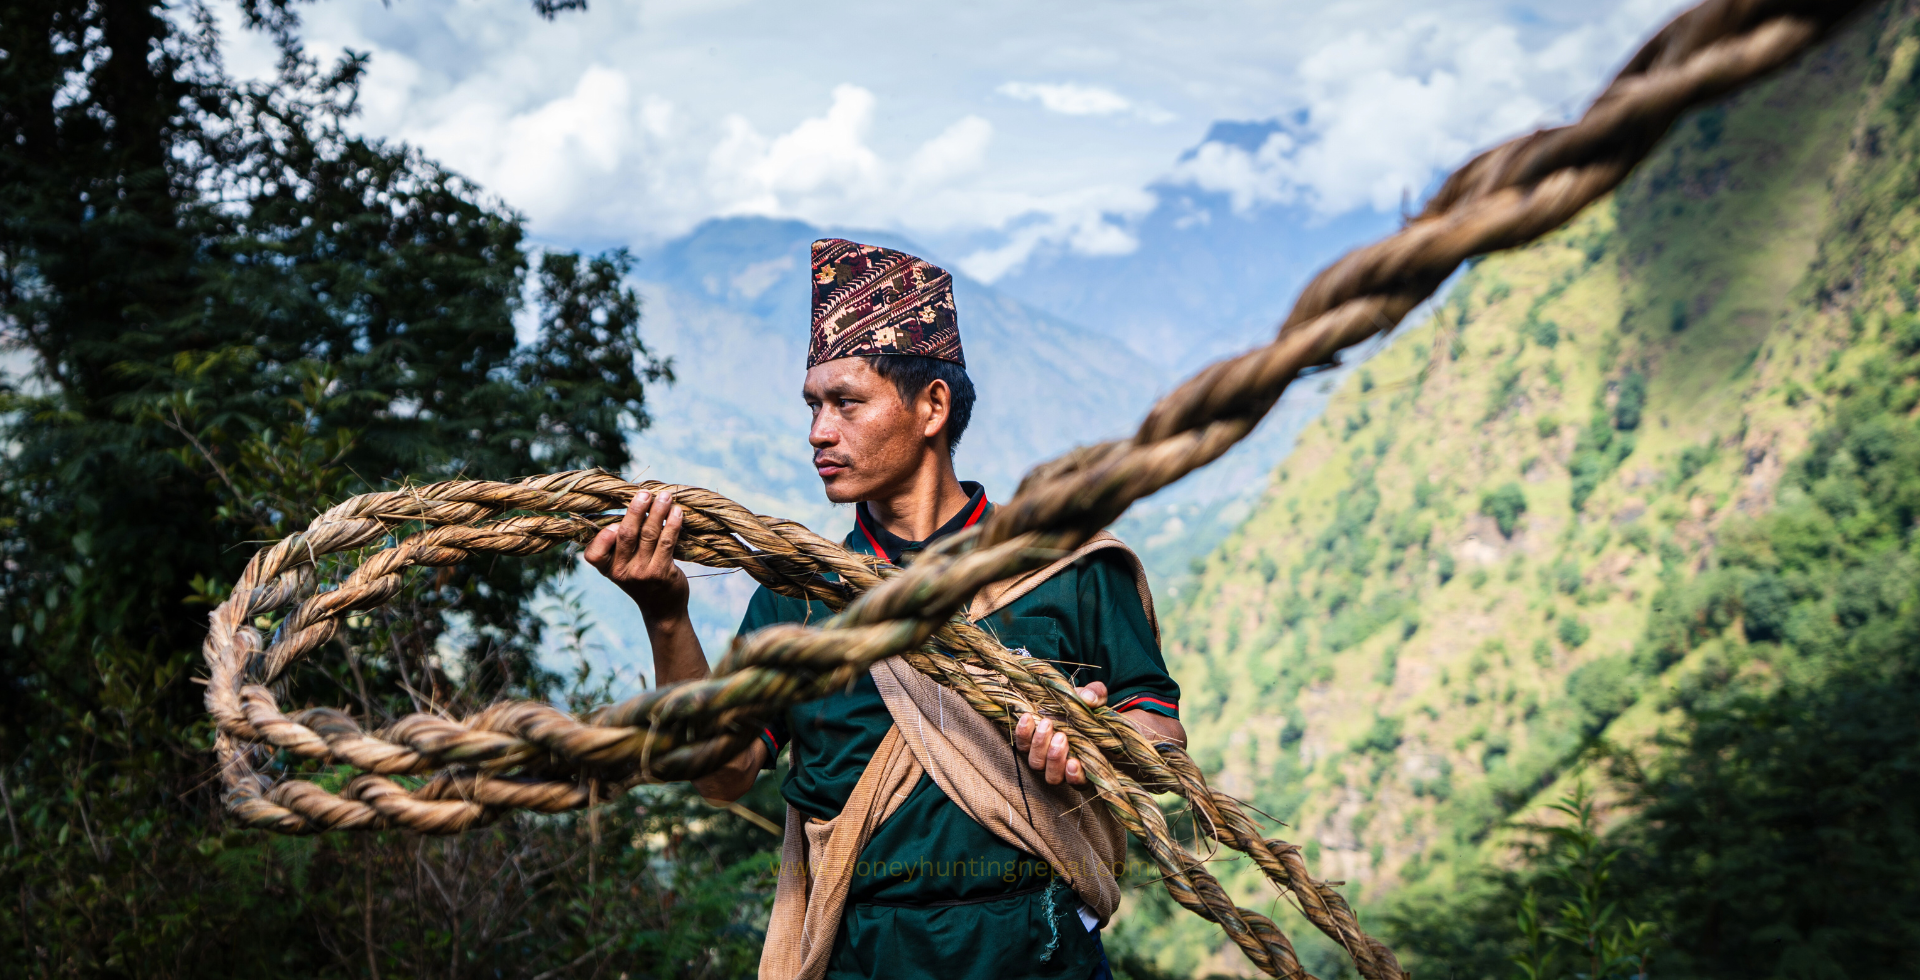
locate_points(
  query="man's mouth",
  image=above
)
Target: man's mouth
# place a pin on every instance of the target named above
(828, 466)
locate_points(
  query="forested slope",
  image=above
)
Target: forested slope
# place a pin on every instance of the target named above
(1633, 510)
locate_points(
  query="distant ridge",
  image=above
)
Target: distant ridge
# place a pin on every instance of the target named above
(1067, 350)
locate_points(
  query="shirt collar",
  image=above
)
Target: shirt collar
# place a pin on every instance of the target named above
(872, 537)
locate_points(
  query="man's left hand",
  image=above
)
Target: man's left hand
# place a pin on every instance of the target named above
(1046, 748)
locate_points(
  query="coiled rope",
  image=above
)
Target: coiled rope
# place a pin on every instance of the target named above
(523, 755)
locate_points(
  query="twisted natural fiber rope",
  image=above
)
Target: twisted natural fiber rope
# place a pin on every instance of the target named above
(513, 734)
(521, 755)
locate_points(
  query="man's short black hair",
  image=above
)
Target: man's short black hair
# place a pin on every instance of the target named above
(911, 376)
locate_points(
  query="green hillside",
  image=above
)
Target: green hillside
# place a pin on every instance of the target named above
(1612, 475)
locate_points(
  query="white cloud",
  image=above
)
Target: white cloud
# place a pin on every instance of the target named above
(1383, 112)
(1097, 227)
(959, 150)
(825, 170)
(634, 122)
(824, 156)
(1068, 99)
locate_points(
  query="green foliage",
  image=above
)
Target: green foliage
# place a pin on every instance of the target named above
(1546, 333)
(1608, 438)
(1572, 632)
(1565, 576)
(231, 313)
(1743, 679)
(1504, 504)
(1690, 462)
(1603, 688)
(1389, 667)
(1424, 493)
(1506, 388)
(1409, 530)
(1354, 622)
(1357, 421)
(1636, 535)
(1631, 400)
(1382, 737)
(1564, 913)
(1766, 602)
(1590, 931)
(1773, 834)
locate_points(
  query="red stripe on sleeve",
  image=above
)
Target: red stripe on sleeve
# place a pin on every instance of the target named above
(1169, 705)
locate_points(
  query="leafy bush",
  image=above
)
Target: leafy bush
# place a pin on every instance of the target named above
(1636, 535)
(1572, 632)
(1603, 689)
(1566, 576)
(1354, 622)
(1382, 737)
(1607, 440)
(1903, 332)
(1677, 315)
(1765, 602)
(1630, 402)
(1506, 389)
(1542, 653)
(1389, 667)
(1691, 461)
(1504, 504)
(1409, 530)
(1546, 333)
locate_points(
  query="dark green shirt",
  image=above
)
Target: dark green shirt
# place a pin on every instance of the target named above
(936, 895)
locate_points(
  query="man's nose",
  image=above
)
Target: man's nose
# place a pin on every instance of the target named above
(822, 434)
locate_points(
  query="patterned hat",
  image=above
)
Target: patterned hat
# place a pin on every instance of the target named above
(873, 300)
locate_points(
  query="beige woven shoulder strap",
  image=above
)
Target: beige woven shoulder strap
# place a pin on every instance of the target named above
(999, 595)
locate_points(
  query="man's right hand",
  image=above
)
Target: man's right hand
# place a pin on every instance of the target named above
(637, 555)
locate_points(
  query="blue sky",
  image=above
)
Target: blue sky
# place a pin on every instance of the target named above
(985, 129)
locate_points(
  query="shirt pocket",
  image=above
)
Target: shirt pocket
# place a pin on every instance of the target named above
(1041, 636)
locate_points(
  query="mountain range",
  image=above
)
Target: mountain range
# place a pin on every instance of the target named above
(1070, 351)
(1617, 491)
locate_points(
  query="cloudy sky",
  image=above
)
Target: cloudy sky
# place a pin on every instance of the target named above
(983, 127)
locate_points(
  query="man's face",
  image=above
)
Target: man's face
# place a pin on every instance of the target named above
(865, 440)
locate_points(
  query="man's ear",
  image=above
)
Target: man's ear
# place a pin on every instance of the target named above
(935, 404)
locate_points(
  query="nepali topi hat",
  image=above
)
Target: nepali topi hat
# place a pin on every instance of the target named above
(870, 300)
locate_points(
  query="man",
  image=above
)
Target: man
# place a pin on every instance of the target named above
(955, 869)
